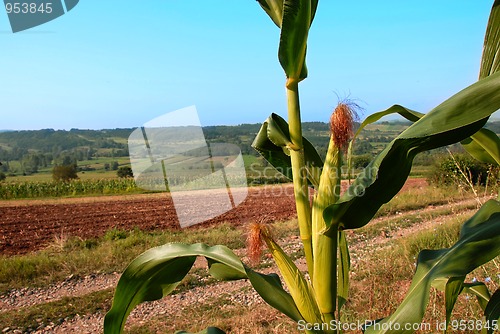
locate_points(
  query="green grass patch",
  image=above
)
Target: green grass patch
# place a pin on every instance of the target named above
(111, 253)
(418, 198)
(394, 224)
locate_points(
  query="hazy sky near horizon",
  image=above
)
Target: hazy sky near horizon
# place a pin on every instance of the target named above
(111, 64)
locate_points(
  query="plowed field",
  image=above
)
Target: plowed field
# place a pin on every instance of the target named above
(29, 225)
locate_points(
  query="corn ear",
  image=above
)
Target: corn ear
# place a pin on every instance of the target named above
(325, 247)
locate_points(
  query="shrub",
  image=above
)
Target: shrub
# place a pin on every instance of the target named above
(451, 170)
(64, 173)
(361, 161)
(125, 172)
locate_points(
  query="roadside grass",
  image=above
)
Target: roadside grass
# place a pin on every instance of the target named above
(111, 253)
(421, 197)
(392, 225)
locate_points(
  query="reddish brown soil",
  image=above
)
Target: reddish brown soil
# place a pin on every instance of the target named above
(26, 226)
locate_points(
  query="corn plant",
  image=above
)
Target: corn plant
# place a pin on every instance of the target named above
(317, 299)
(16, 190)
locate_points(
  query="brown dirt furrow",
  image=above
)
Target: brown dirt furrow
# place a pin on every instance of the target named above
(25, 228)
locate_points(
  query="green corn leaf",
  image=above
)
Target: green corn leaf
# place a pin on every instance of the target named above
(343, 272)
(478, 289)
(156, 272)
(144, 281)
(492, 312)
(295, 25)
(272, 142)
(484, 146)
(273, 8)
(453, 288)
(455, 119)
(270, 289)
(314, 7)
(294, 17)
(490, 62)
(479, 242)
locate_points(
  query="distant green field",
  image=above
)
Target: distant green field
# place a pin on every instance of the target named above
(101, 181)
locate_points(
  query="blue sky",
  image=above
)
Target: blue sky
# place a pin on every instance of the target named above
(111, 64)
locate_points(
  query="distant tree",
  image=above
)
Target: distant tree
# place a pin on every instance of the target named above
(80, 156)
(2, 176)
(106, 166)
(47, 159)
(64, 173)
(89, 153)
(125, 171)
(30, 163)
(4, 167)
(114, 165)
